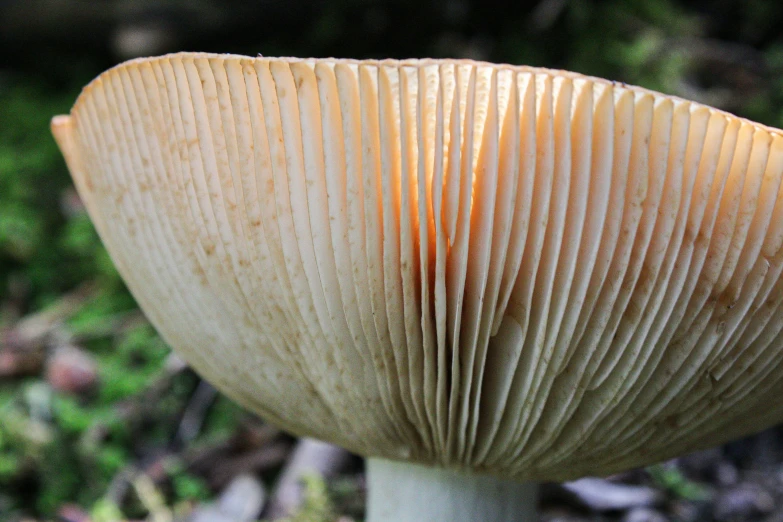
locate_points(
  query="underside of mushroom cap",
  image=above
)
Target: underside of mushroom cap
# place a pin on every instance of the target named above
(523, 272)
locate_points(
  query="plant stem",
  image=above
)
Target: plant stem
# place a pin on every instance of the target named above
(403, 492)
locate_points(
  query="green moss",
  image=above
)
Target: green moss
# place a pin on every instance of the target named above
(317, 505)
(672, 480)
(189, 487)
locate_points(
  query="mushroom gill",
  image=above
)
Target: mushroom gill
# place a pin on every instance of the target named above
(522, 272)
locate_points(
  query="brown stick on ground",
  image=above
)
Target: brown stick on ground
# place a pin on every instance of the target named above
(23, 345)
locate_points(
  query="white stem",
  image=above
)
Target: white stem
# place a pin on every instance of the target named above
(403, 492)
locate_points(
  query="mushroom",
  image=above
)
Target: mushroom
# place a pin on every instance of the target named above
(478, 276)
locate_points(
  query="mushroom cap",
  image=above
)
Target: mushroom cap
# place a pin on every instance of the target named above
(517, 271)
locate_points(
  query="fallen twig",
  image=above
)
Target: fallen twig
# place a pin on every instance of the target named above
(194, 414)
(23, 345)
(151, 498)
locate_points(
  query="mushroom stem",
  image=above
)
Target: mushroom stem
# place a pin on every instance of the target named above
(402, 492)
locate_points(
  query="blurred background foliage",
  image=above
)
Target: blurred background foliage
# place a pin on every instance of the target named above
(87, 390)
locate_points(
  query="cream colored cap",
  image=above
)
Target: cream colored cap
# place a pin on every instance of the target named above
(523, 272)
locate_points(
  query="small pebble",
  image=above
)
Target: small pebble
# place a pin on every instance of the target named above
(743, 502)
(603, 495)
(644, 515)
(691, 511)
(726, 474)
(72, 513)
(244, 498)
(241, 501)
(71, 370)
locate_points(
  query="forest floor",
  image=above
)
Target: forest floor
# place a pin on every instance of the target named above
(100, 422)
